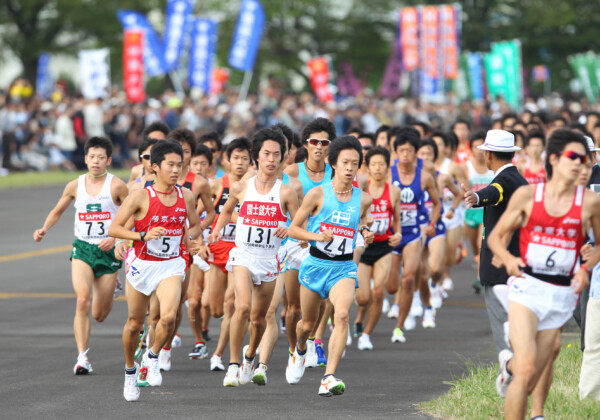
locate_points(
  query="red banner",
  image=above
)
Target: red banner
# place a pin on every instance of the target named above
(449, 41)
(409, 38)
(430, 40)
(320, 76)
(133, 65)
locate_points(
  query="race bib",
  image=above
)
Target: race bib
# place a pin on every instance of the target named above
(164, 247)
(342, 242)
(409, 214)
(228, 232)
(94, 225)
(381, 223)
(550, 260)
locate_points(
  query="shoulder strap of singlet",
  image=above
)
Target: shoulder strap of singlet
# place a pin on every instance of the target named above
(579, 196)
(179, 191)
(151, 191)
(539, 192)
(225, 181)
(395, 176)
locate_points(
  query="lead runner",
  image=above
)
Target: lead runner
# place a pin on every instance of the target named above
(334, 211)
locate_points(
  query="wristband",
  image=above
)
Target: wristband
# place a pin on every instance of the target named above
(432, 224)
(119, 242)
(142, 236)
(586, 268)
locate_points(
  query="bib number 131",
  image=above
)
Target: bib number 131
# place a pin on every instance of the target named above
(257, 235)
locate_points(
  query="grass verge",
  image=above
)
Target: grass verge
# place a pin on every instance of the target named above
(52, 178)
(474, 396)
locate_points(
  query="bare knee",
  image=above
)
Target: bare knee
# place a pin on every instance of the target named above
(134, 326)
(363, 298)
(193, 304)
(168, 320)
(525, 373)
(307, 325)
(99, 315)
(377, 294)
(83, 305)
(408, 282)
(242, 309)
(293, 311)
(341, 317)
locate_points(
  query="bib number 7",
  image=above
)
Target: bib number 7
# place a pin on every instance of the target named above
(100, 226)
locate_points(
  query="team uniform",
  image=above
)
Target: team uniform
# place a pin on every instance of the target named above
(256, 246)
(474, 217)
(411, 197)
(220, 250)
(329, 262)
(440, 227)
(533, 178)
(158, 259)
(447, 201)
(550, 248)
(382, 213)
(93, 216)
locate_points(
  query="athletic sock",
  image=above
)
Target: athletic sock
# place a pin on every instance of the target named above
(429, 307)
(166, 348)
(311, 338)
(200, 342)
(331, 374)
(152, 355)
(130, 371)
(318, 342)
(236, 364)
(300, 352)
(248, 359)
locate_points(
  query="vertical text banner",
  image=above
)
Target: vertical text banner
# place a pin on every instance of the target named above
(178, 17)
(449, 41)
(204, 38)
(409, 38)
(95, 70)
(44, 82)
(320, 78)
(578, 62)
(133, 65)
(430, 40)
(154, 63)
(475, 75)
(247, 35)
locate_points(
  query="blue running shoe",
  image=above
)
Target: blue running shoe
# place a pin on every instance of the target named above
(322, 359)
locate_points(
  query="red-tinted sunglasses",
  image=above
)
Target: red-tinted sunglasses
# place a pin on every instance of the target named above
(316, 142)
(569, 154)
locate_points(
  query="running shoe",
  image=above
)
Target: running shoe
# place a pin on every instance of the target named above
(131, 391)
(138, 352)
(118, 289)
(176, 341)
(247, 369)
(394, 311)
(289, 377)
(297, 366)
(448, 284)
(416, 307)
(321, 358)
(364, 342)
(436, 298)
(283, 329)
(476, 286)
(142, 376)
(330, 385)
(216, 363)
(358, 329)
(199, 351)
(231, 377)
(205, 336)
(385, 307)
(349, 339)
(398, 336)
(429, 318)
(154, 376)
(312, 360)
(83, 365)
(410, 323)
(164, 360)
(260, 374)
(504, 378)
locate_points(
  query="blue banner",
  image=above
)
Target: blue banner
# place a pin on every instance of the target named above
(178, 18)
(204, 40)
(246, 38)
(474, 65)
(44, 82)
(154, 63)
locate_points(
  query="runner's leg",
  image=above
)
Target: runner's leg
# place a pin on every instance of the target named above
(83, 279)
(341, 297)
(262, 295)
(381, 273)
(168, 294)
(271, 332)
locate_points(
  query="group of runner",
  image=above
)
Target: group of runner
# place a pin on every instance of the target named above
(313, 220)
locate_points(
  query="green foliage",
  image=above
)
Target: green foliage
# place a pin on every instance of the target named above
(50, 178)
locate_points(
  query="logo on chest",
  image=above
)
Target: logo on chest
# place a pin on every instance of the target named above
(407, 195)
(340, 218)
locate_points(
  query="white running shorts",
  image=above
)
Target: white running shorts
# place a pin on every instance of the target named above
(145, 276)
(263, 270)
(295, 255)
(201, 264)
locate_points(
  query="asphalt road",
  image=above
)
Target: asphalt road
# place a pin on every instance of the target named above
(38, 352)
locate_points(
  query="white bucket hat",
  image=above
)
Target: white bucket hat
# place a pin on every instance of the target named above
(499, 141)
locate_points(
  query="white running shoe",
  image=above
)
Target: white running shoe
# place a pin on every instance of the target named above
(247, 369)
(131, 391)
(436, 299)
(231, 377)
(410, 323)
(416, 308)
(364, 342)
(83, 365)
(164, 359)
(118, 289)
(260, 374)
(331, 386)
(394, 311)
(448, 284)
(398, 336)
(385, 307)
(154, 377)
(176, 341)
(349, 339)
(289, 377)
(312, 360)
(429, 318)
(216, 363)
(296, 366)
(504, 378)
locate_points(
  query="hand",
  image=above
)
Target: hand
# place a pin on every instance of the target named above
(449, 214)
(368, 236)
(154, 233)
(580, 281)
(430, 231)
(281, 232)
(497, 262)
(204, 252)
(214, 237)
(325, 236)
(121, 250)
(395, 239)
(369, 220)
(470, 196)
(193, 246)
(586, 252)
(107, 244)
(39, 234)
(513, 267)
(303, 244)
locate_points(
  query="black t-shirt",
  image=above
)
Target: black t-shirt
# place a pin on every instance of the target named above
(594, 182)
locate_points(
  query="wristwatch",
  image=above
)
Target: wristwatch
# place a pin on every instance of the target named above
(363, 227)
(142, 236)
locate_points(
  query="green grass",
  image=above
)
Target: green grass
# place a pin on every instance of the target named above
(52, 178)
(474, 395)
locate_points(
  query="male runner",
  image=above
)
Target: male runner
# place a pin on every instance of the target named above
(553, 220)
(213, 142)
(461, 128)
(159, 212)
(532, 168)
(147, 176)
(264, 201)
(158, 130)
(334, 211)
(97, 194)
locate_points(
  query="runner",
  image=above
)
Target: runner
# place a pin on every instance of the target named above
(367, 141)
(147, 175)
(158, 130)
(264, 201)
(160, 212)
(532, 168)
(550, 242)
(329, 271)
(461, 128)
(376, 260)
(213, 142)
(97, 194)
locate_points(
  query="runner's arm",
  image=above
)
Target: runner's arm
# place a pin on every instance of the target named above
(310, 203)
(119, 226)
(397, 222)
(365, 216)
(447, 183)
(204, 198)
(229, 207)
(53, 217)
(292, 170)
(194, 230)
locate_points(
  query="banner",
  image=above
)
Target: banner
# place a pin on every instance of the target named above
(44, 82)
(474, 67)
(219, 78)
(430, 40)
(540, 73)
(579, 64)
(133, 65)
(247, 35)
(390, 87)
(178, 17)
(347, 82)
(95, 70)
(202, 50)
(409, 38)
(321, 76)
(449, 41)
(460, 85)
(154, 63)
(504, 72)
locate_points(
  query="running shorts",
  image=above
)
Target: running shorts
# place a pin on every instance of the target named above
(375, 252)
(321, 275)
(474, 217)
(201, 264)
(145, 276)
(101, 262)
(440, 230)
(295, 255)
(263, 270)
(408, 237)
(219, 254)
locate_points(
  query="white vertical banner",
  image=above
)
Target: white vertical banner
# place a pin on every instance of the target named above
(94, 66)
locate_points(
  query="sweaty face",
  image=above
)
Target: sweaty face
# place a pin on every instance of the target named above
(477, 153)
(97, 160)
(462, 131)
(346, 165)
(569, 169)
(378, 167)
(199, 165)
(366, 144)
(382, 140)
(146, 162)
(535, 148)
(439, 142)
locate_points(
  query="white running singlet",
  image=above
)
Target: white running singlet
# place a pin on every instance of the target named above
(93, 215)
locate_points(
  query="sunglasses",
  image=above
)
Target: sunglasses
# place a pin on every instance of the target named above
(316, 142)
(213, 150)
(145, 156)
(569, 154)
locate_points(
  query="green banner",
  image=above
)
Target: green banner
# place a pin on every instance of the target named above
(580, 65)
(504, 72)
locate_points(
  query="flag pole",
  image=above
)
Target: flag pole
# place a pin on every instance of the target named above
(176, 80)
(245, 85)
